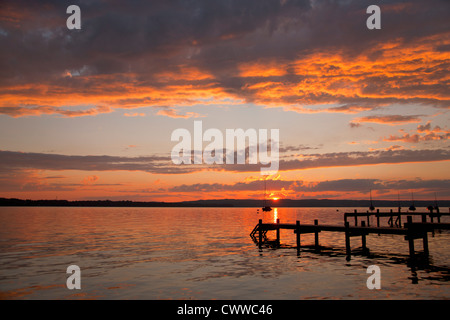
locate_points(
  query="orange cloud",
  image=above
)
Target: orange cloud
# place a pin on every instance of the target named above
(183, 72)
(357, 83)
(262, 69)
(107, 92)
(389, 119)
(429, 134)
(401, 73)
(134, 114)
(414, 138)
(89, 180)
(172, 114)
(427, 128)
(21, 111)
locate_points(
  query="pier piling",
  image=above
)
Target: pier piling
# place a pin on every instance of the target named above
(260, 233)
(278, 232)
(347, 239)
(363, 237)
(316, 236)
(411, 231)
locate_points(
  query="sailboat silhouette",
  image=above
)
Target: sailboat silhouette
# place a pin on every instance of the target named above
(266, 207)
(412, 207)
(371, 208)
(436, 207)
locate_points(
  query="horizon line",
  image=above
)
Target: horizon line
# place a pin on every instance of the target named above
(379, 202)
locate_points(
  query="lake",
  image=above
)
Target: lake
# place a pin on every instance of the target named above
(203, 253)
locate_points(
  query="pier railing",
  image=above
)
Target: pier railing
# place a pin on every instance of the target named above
(410, 230)
(431, 215)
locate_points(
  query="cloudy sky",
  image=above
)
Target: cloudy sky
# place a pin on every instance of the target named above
(89, 113)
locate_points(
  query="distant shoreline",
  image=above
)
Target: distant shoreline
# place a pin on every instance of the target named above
(237, 203)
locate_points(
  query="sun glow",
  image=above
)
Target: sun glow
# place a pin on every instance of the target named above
(275, 215)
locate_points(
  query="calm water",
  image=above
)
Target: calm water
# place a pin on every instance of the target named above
(201, 253)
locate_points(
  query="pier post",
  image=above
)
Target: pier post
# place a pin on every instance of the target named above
(425, 243)
(431, 215)
(378, 222)
(391, 220)
(278, 232)
(438, 215)
(363, 237)
(347, 240)
(316, 236)
(410, 237)
(297, 228)
(431, 219)
(260, 233)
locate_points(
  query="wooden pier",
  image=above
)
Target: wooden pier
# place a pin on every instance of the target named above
(411, 231)
(431, 215)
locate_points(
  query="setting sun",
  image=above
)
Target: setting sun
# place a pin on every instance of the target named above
(225, 150)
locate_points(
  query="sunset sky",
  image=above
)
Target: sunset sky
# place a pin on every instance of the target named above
(89, 113)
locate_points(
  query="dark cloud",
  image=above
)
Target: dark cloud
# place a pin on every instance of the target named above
(21, 178)
(217, 37)
(335, 186)
(19, 111)
(358, 158)
(424, 133)
(390, 119)
(342, 185)
(239, 186)
(29, 180)
(163, 164)
(427, 128)
(354, 125)
(57, 162)
(415, 138)
(300, 147)
(150, 35)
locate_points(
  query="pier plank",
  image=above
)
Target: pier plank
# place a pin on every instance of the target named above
(411, 231)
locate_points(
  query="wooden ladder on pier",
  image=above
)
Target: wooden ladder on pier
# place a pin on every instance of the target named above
(411, 231)
(256, 230)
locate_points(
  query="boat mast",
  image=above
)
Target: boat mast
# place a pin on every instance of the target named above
(412, 207)
(436, 207)
(265, 192)
(371, 204)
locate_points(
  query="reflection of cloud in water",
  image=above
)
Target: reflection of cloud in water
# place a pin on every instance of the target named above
(201, 253)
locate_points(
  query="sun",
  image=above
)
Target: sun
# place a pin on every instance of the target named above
(275, 199)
